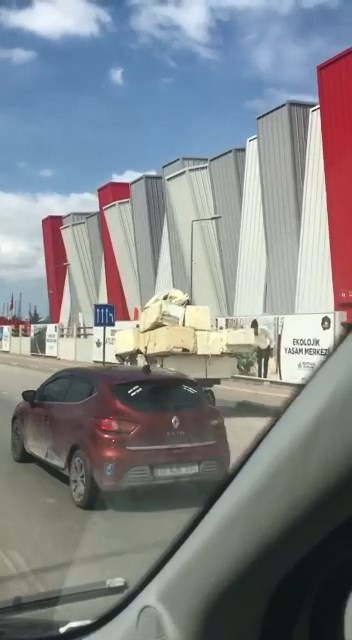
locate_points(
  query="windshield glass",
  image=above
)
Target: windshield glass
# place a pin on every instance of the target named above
(170, 396)
(175, 265)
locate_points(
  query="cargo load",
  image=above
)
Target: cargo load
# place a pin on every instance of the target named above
(198, 318)
(128, 341)
(170, 340)
(161, 314)
(209, 343)
(238, 340)
(174, 296)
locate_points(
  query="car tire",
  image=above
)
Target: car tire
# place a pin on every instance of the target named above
(18, 451)
(210, 397)
(84, 491)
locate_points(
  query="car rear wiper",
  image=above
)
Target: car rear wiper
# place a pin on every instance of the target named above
(66, 595)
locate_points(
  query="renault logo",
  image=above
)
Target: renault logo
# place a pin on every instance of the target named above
(175, 422)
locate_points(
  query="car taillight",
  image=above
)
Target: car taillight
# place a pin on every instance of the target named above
(115, 426)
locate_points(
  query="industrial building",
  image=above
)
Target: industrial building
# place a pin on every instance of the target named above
(257, 230)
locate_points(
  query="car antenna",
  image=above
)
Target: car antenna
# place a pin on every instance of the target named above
(146, 369)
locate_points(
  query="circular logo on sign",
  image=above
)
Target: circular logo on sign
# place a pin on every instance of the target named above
(175, 422)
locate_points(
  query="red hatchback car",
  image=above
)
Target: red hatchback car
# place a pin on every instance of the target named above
(113, 428)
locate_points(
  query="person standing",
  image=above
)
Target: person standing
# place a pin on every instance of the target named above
(265, 348)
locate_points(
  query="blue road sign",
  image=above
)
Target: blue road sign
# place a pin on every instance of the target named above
(104, 315)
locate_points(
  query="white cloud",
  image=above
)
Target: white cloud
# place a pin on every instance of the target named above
(17, 55)
(274, 97)
(276, 51)
(130, 175)
(192, 25)
(21, 245)
(116, 76)
(46, 173)
(55, 19)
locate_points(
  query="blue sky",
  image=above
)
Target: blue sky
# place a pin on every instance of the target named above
(95, 89)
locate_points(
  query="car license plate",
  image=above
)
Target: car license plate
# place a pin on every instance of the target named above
(176, 471)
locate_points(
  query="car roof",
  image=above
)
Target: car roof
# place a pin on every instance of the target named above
(121, 373)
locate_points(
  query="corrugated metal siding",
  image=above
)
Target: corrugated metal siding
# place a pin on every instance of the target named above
(148, 211)
(120, 224)
(65, 313)
(226, 176)
(252, 261)
(96, 246)
(178, 266)
(55, 258)
(282, 150)
(181, 163)
(164, 280)
(109, 194)
(80, 233)
(102, 294)
(335, 93)
(190, 197)
(208, 230)
(74, 255)
(314, 280)
(156, 207)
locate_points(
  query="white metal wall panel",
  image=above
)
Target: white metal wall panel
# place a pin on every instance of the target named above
(190, 198)
(120, 224)
(164, 280)
(252, 261)
(77, 273)
(65, 312)
(314, 292)
(102, 293)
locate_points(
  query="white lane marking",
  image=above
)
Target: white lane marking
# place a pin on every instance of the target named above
(23, 567)
(5, 393)
(17, 567)
(7, 562)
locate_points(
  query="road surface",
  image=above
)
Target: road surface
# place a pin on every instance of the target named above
(46, 542)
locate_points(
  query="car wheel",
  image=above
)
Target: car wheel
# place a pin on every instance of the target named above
(211, 397)
(82, 485)
(18, 450)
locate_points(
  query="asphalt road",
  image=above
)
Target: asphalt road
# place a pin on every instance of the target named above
(46, 542)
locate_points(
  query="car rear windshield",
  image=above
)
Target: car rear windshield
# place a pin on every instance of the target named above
(159, 395)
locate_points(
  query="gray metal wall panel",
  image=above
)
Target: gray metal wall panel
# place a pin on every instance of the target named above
(181, 163)
(314, 280)
(227, 175)
(156, 208)
(282, 150)
(76, 216)
(178, 267)
(148, 209)
(96, 246)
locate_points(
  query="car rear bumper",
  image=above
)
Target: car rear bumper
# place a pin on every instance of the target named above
(112, 478)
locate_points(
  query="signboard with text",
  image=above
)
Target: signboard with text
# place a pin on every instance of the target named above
(305, 341)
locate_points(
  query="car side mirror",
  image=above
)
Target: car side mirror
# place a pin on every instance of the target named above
(29, 396)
